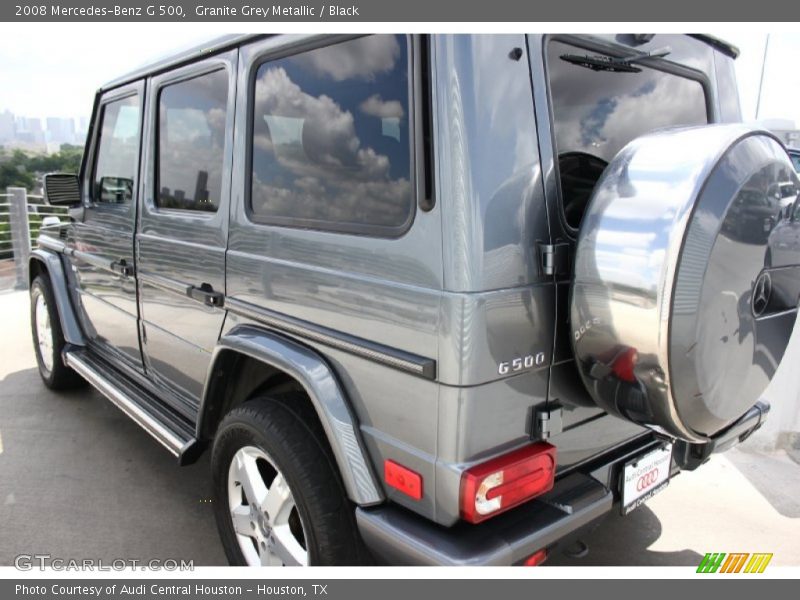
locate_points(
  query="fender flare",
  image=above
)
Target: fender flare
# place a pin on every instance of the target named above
(54, 267)
(320, 383)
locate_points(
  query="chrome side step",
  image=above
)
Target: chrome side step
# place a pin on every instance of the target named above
(134, 403)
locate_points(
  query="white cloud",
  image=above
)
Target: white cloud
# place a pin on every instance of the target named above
(362, 58)
(375, 106)
(329, 138)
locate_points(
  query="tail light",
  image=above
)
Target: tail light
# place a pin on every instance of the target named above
(507, 481)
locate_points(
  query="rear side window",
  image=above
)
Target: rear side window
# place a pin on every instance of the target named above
(191, 142)
(117, 152)
(597, 110)
(331, 145)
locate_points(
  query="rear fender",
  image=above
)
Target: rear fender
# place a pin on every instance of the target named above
(320, 383)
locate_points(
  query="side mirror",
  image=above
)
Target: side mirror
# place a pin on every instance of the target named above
(62, 189)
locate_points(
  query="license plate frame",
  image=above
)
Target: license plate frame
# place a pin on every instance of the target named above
(644, 476)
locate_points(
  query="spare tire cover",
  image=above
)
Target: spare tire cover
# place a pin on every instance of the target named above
(677, 323)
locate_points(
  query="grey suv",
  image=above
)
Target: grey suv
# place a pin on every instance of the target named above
(426, 299)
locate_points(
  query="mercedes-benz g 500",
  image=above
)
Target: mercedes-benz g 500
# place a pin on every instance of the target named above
(439, 299)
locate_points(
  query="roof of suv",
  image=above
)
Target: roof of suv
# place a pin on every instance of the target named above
(226, 42)
(171, 60)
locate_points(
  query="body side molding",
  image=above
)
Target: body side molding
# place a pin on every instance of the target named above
(323, 389)
(391, 357)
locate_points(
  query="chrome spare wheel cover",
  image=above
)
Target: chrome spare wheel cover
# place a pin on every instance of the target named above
(679, 317)
(263, 512)
(44, 333)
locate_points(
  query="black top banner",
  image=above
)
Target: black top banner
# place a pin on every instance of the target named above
(357, 11)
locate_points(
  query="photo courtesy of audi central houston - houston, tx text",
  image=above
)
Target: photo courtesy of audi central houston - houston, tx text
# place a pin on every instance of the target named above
(399, 299)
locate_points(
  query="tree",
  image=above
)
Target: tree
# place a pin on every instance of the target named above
(66, 160)
(20, 169)
(15, 175)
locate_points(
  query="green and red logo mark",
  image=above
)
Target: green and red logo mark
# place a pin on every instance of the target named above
(735, 562)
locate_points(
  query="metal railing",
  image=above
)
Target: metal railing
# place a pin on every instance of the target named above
(21, 217)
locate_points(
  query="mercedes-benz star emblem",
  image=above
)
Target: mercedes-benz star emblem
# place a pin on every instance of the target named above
(761, 293)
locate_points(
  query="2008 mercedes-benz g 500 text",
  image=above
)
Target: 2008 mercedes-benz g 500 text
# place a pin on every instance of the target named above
(437, 299)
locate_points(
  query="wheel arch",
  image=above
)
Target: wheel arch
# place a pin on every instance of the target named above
(49, 263)
(285, 360)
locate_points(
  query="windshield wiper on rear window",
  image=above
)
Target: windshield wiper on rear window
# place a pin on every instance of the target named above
(599, 62)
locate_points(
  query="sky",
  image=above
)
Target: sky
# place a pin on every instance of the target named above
(36, 81)
(780, 94)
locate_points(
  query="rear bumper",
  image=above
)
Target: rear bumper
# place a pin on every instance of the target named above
(578, 499)
(403, 538)
(690, 456)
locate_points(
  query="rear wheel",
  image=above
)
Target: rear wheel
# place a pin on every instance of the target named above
(279, 500)
(48, 339)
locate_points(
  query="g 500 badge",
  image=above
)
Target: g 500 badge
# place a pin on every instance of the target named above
(521, 363)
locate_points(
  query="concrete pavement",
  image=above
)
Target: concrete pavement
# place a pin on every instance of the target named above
(79, 479)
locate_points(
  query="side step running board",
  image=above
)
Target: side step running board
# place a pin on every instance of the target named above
(175, 436)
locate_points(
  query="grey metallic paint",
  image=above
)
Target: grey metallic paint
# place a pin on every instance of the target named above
(322, 387)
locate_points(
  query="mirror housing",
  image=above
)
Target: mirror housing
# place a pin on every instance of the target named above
(62, 189)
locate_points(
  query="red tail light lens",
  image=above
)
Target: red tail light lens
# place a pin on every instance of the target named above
(537, 558)
(402, 479)
(507, 481)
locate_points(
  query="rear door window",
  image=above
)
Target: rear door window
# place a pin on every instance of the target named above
(598, 108)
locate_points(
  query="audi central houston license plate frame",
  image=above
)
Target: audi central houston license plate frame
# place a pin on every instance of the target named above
(645, 476)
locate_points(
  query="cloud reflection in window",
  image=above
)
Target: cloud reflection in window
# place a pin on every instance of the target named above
(331, 136)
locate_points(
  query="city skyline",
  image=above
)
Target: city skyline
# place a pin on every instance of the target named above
(41, 133)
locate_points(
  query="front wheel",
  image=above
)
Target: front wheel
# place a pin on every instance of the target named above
(278, 497)
(48, 339)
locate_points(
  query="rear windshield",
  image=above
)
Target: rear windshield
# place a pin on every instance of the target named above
(598, 109)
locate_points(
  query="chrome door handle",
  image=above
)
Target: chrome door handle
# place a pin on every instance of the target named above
(206, 294)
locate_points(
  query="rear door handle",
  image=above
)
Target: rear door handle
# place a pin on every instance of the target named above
(206, 294)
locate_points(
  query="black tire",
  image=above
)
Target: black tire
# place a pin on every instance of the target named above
(57, 376)
(285, 427)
